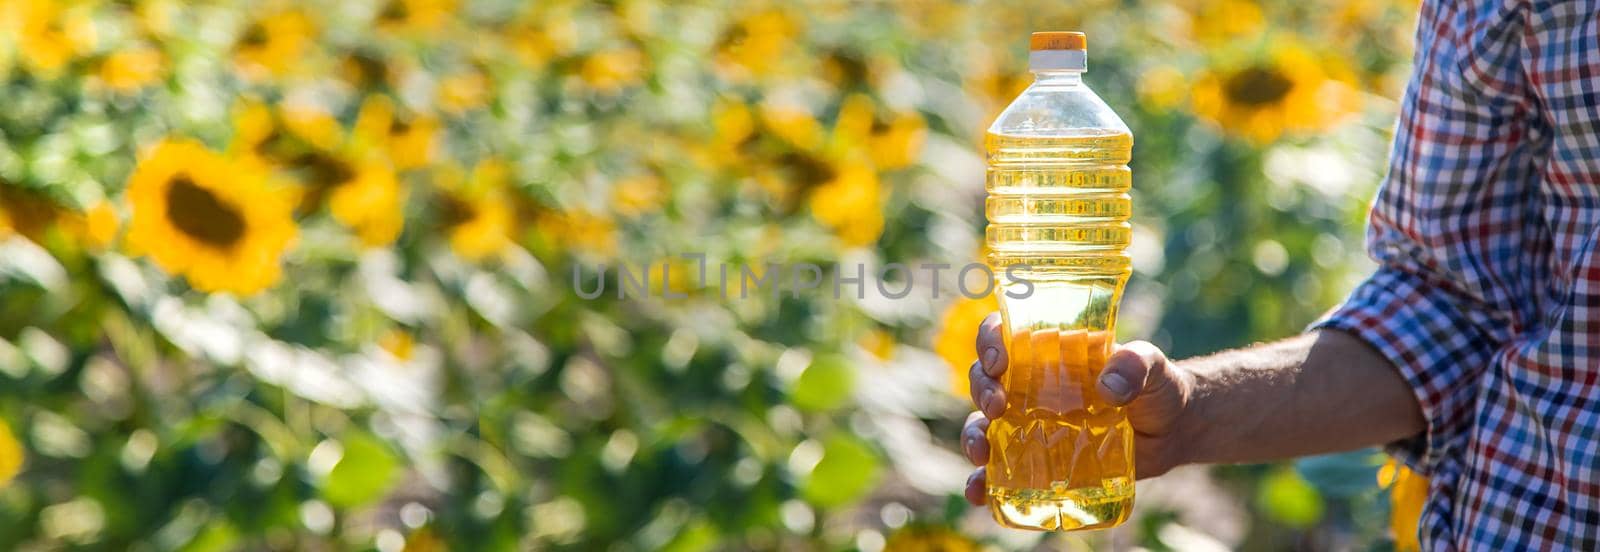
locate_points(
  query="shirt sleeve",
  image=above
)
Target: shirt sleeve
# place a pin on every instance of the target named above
(1455, 225)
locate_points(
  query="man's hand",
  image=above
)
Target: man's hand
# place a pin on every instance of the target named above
(1137, 375)
(1320, 392)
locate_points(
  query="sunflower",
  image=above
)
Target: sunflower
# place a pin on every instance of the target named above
(311, 122)
(1408, 491)
(36, 216)
(1215, 22)
(27, 211)
(398, 343)
(408, 140)
(463, 91)
(958, 330)
(11, 455)
(363, 70)
(880, 344)
(610, 71)
(637, 195)
(274, 44)
(853, 125)
(475, 210)
(1287, 90)
(851, 204)
(47, 33)
(732, 126)
(994, 85)
(100, 224)
(929, 538)
(372, 203)
(547, 32)
(256, 132)
(792, 123)
(1162, 88)
(579, 231)
(274, 138)
(415, 15)
(214, 221)
(131, 69)
(754, 44)
(321, 173)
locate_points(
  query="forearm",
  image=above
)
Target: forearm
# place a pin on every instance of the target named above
(1321, 392)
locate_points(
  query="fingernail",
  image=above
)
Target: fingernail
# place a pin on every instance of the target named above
(989, 356)
(1116, 383)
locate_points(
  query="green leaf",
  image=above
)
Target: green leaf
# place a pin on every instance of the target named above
(364, 474)
(825, 385)
(216, 537)
(1287, 498)
(698, 535)
(847, 471)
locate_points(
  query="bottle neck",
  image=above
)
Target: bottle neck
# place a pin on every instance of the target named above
(1058, 77)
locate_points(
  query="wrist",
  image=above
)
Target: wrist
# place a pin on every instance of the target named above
(1189, 435)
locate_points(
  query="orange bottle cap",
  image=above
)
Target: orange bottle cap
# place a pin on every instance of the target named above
(1058, 40)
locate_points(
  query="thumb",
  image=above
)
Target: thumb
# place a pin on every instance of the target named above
(1132, 370)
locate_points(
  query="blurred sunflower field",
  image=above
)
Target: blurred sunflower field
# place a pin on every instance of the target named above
(305, 275)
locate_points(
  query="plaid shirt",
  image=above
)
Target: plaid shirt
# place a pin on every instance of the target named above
(1487, 295)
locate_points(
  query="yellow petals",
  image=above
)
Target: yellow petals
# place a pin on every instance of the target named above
(1408, 492)
(851, 204)
(792, 123)
(612, 70)
(408, 141)
(914, 538)
(131, 69)
(274, 45)
(476, 210)
(958, 334)
(372, 204)
(754, 45)
(398, 343)
(100, 225)
(579, 231)
(11, 455)
(1162, 88)
(638, 195)
(899, 143)
(463, 91)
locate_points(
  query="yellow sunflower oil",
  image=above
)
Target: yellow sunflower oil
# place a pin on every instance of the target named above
(1058, 179)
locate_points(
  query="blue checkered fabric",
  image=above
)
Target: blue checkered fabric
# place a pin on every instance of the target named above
(1487, 295)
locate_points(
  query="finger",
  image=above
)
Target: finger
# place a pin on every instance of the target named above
(1132, 369)
(976, 491)
(985, 391)
(991, 345)
(975, 440)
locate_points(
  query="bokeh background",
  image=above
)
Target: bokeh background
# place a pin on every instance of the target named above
(298, 275)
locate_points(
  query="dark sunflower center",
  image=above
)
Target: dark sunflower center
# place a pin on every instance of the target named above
(254, 36)
(399, 126)
(851, 69)
(198, 213)
(453, 212)
(395, 10)
(324, 170)
(367, 71)
(1257, 86)
(808, 170)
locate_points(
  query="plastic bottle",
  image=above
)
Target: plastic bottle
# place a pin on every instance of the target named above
(1060, 457)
